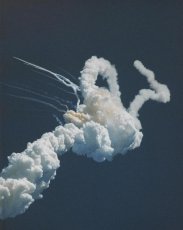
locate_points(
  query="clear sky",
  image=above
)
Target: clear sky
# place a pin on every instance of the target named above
(142, 190)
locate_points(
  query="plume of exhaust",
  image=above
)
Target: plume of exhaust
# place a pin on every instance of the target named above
(29, 172)
(100, 128)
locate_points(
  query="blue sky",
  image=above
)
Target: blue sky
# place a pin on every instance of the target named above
(141, 190)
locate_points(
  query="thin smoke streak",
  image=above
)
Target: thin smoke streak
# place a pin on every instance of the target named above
(37, 100)
(35, 94)
(59, 77)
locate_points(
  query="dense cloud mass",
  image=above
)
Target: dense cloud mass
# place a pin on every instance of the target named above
(100, 128)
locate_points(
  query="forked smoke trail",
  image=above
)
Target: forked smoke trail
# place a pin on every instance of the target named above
(100, 128)
(159, 92)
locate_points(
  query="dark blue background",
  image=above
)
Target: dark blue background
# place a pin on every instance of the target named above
(139, 191)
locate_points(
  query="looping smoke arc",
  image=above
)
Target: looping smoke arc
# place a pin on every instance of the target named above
(100, 128)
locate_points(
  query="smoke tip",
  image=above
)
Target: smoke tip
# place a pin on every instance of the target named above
(137, 64)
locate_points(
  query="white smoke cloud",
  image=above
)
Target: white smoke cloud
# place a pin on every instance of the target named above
(100, 128)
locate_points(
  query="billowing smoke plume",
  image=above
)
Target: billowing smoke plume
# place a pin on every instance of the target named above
(30, 172)
(100, 128)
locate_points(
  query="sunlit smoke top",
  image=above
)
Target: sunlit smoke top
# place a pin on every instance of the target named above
(99, 128)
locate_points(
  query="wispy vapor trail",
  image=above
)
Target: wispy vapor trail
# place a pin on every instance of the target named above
(100, 128)
(59, 77)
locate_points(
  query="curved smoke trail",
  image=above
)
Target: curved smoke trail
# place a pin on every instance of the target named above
(100, 128)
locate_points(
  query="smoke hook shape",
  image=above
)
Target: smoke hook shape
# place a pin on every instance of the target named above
(100, 128)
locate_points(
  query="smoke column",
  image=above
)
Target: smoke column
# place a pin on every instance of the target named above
(100, 128)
